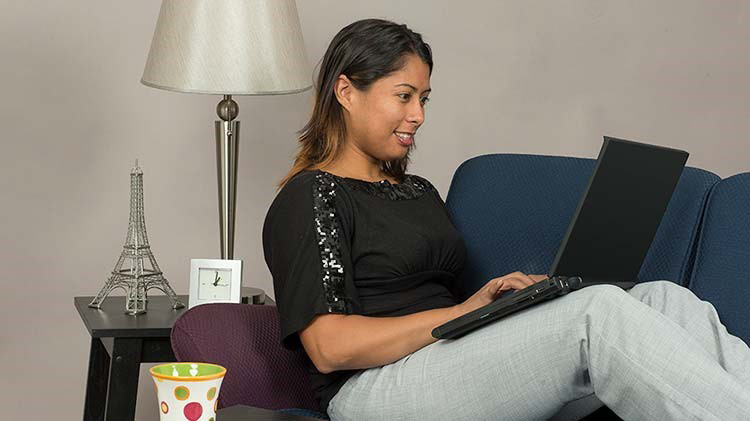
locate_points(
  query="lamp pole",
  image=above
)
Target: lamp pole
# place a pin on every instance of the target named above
(227, 142)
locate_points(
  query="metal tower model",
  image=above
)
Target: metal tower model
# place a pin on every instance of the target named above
(136, 279)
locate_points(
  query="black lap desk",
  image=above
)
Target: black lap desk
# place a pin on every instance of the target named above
(119, 344)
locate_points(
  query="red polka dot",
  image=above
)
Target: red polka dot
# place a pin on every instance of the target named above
(193, 411)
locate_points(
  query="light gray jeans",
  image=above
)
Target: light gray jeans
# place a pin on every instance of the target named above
(653, 352)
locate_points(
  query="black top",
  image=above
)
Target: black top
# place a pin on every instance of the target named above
(343, 245)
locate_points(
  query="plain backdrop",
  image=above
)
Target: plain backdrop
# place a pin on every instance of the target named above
(540, 77)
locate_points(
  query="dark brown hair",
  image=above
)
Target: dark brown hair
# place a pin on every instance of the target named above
(364, 51)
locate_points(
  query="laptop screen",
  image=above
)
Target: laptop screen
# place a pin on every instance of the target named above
(620, 211)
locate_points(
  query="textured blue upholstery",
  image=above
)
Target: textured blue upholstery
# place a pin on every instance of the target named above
(722, 264)
(672, 251)
(513, 210)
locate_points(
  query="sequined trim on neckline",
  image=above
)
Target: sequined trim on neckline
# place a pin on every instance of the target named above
(328, 233)
(411, 187)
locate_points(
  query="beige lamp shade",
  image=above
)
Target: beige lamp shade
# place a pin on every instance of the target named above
(228, 47)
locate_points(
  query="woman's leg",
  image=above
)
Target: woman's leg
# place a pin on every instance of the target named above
(526, 366)
(701, 320)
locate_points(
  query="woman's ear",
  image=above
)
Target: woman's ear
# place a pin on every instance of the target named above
(344, 91)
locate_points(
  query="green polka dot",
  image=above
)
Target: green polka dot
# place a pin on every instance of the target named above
(181, 393)
(211, 393)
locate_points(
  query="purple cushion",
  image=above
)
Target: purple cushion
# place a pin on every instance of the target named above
(244, 338)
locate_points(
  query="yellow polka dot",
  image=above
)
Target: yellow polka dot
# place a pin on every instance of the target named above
(164, 407)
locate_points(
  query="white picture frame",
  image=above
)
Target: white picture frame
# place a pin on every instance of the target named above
(215, 281)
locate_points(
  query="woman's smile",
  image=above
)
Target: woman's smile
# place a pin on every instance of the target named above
(404, 139)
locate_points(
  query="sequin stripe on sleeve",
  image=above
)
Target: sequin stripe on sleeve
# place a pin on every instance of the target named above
(328, 233)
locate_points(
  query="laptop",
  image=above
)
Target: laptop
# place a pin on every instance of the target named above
(609, 235)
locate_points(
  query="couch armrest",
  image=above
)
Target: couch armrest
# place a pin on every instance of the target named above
(720, 274)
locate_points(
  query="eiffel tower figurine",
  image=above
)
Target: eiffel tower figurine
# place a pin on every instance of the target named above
(137, 279)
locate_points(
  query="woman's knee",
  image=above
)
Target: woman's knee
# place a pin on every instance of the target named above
(651, 292)
(661, 285)
(602, 300)
(604, 292)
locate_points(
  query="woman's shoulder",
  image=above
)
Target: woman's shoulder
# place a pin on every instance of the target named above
(309, 195)
(302, 189)
(419, 178)
(306, 180)
(422, 182)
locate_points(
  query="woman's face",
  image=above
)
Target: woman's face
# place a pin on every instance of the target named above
(393, 104)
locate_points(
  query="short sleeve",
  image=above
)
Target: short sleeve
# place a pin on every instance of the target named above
(307, 237)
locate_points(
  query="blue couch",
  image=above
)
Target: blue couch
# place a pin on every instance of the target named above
(512, 211)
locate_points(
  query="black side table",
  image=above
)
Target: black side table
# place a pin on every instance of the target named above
(119, 344)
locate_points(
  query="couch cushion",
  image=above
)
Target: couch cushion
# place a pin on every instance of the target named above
(720, 274)
(244, 339)
(513, 211)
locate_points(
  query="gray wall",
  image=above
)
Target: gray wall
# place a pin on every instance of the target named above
(510, 76)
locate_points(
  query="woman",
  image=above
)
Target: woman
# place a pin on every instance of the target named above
(364, 260)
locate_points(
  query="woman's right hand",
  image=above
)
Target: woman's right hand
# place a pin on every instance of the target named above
(495, 287)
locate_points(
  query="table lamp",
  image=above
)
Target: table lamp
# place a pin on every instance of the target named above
(228, 47)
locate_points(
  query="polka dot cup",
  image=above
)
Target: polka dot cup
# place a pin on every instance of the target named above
(187, 391)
